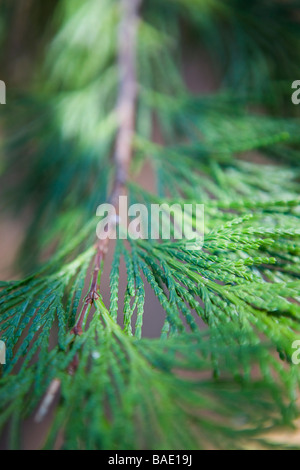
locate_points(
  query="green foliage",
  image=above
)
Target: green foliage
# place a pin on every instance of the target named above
(221, 373)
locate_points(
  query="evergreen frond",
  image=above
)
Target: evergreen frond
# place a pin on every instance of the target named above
(221, 374)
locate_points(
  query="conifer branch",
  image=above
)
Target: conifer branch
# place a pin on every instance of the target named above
(126, 107)
(230, 308)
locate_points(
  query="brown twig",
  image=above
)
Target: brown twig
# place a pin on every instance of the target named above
(126, 109)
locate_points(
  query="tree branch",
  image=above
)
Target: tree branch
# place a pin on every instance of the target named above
(126, 110)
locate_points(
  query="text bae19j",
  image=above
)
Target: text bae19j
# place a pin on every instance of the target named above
(162, 459)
